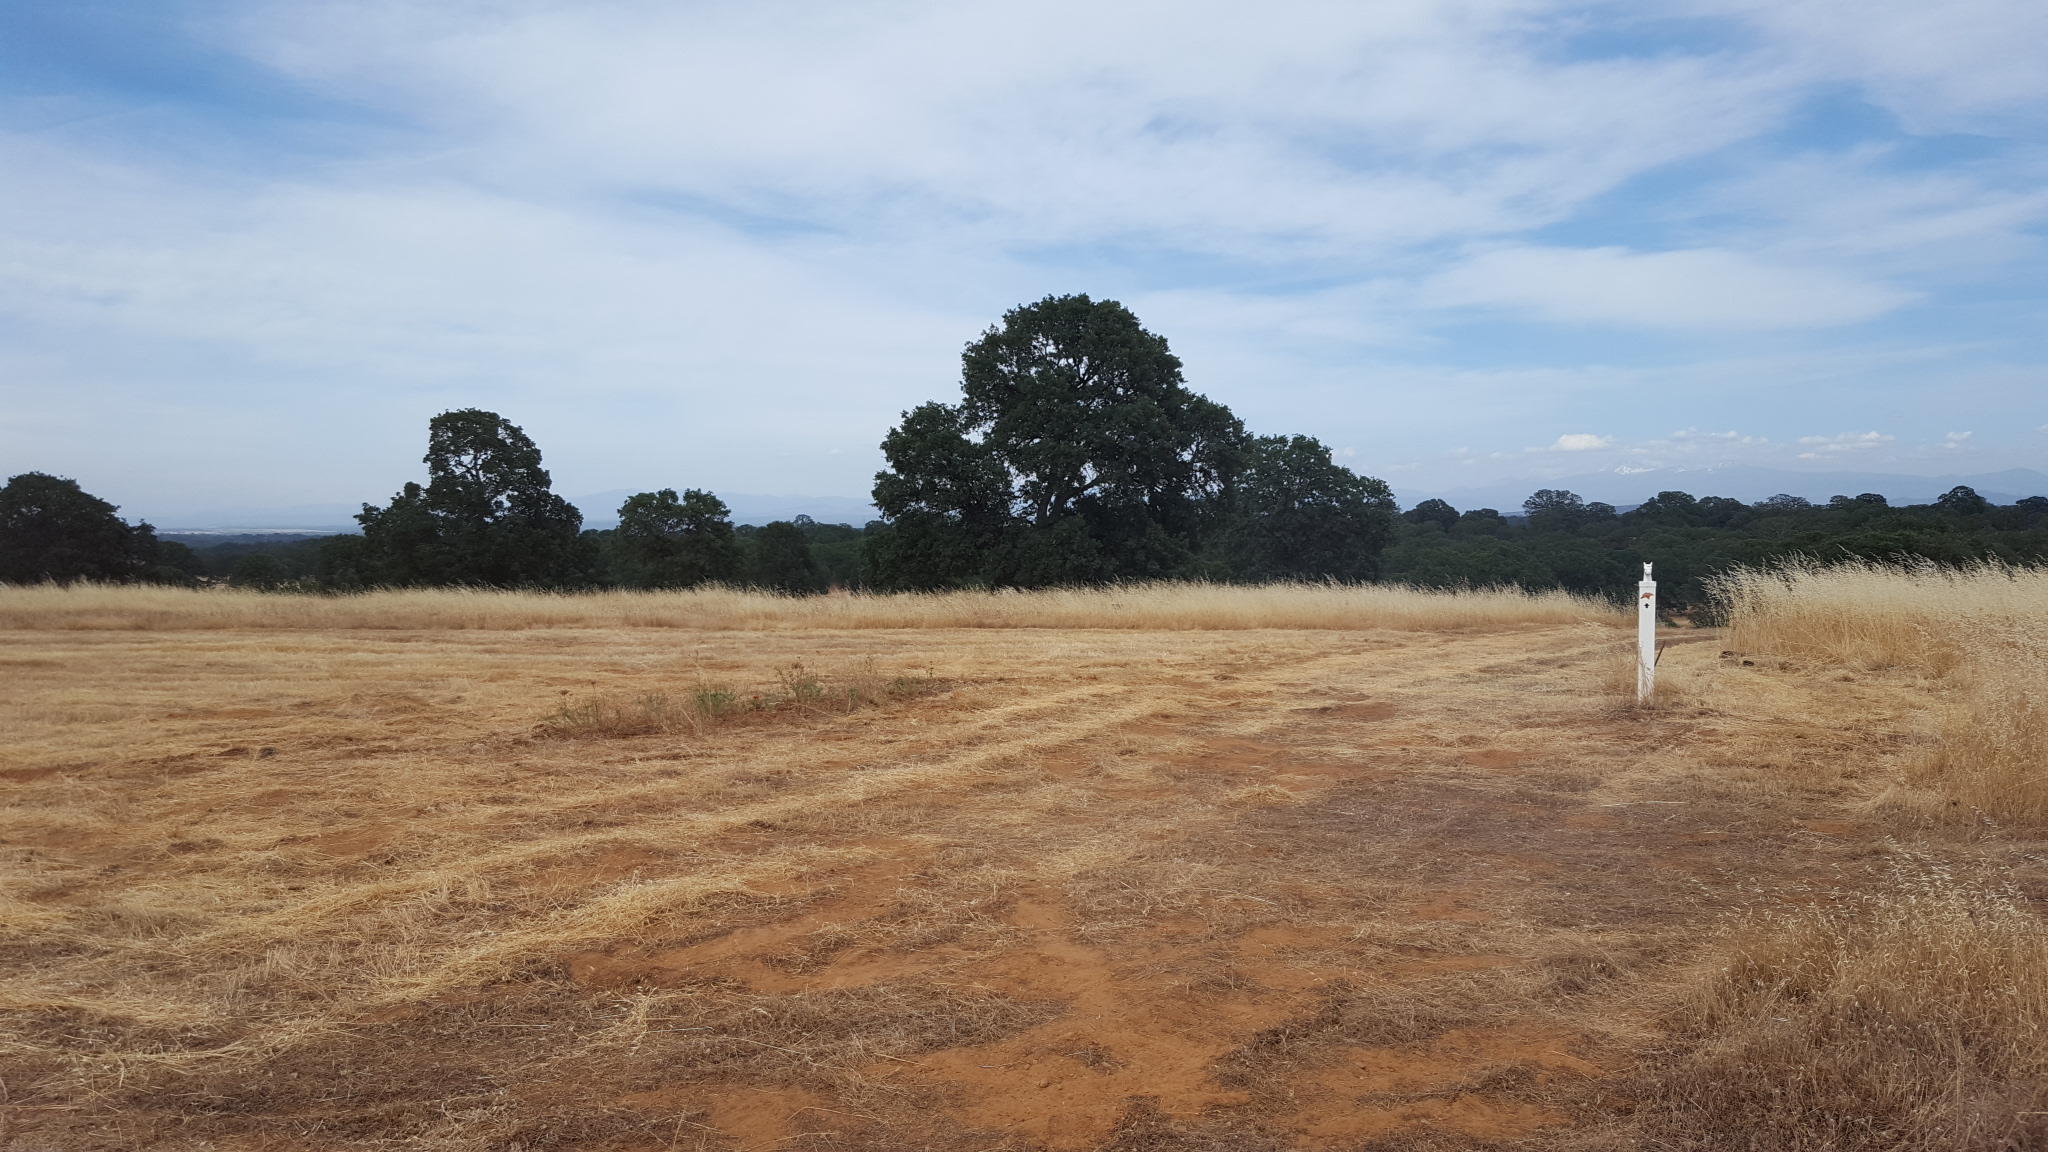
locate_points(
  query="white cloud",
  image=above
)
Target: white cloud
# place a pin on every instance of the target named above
(1704, 289)
(1848, 440)
(1821, 447)
(1956, 439)
(1693, 438)
(1581, 442)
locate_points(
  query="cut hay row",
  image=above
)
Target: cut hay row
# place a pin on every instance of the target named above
(1158, 606)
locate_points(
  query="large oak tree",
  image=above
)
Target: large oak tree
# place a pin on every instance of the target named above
(1076, 454)
(487, 515)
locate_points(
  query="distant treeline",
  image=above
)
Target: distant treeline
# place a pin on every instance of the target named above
(814, 557)
(1561, 541)
(1075, 455)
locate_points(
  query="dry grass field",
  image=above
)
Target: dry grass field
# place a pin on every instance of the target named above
(1168, 868)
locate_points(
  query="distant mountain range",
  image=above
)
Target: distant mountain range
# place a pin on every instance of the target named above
(1624, 488)
(600, 510)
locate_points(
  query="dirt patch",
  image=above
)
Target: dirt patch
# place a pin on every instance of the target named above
(1126, 1034)
(751, 1116)
(1342, 1125)
(1462, 907)
(1356, 712)
(348, 844)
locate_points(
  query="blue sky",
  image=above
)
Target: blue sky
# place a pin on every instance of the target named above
(248, 248)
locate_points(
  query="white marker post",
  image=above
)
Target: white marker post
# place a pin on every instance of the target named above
(1646, 638)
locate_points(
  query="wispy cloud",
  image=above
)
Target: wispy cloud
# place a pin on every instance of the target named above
(1697, 289)
(1820, 447)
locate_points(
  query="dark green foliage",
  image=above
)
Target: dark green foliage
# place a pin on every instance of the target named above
(176, 564)
(1435, 512)
(1963, 501)
(487, 515)
(1481, 522)
(1722, 512)
(781, 559)
(51, 529)
(667, 541)
(836, 549)
(1296, 515)
(1554, 510)
(1563, 544)
(1085, 408)
(1077, 454)
(1670, 509)
(304, 563)
(341, 563)
(258, 570)
(947, 498)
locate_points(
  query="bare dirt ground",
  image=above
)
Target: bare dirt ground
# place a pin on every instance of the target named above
(1099, 890)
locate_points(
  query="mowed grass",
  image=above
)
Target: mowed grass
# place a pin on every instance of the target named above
(1156, 606)
(562, 885)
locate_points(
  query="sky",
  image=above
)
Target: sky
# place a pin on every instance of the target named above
(247, 249)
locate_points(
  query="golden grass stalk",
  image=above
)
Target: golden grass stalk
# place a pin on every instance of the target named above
(1910, 1019)
(1993, 756)
(1152, 606)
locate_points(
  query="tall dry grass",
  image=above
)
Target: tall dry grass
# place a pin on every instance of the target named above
(1993, 757)
(1873, 614)
(1908, 1020)
(1153, 606)
(1914, 1018)
(1982, 628)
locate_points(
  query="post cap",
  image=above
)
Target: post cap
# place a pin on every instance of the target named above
(1646, 571)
